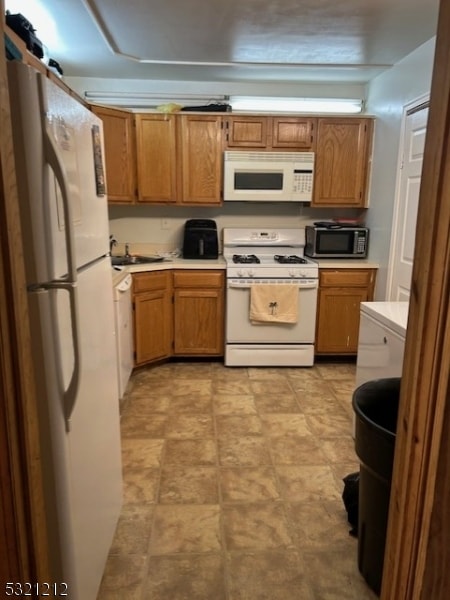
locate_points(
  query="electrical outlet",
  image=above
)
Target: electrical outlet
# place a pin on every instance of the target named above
(165, 224)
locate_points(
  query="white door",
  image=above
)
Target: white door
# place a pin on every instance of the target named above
(405, 214)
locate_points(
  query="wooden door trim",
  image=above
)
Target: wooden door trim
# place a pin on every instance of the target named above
(417, 554)
(24, 552)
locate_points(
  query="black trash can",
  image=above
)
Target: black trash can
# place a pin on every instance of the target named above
(375, 404)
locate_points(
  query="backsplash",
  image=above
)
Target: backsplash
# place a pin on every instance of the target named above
(161, 227)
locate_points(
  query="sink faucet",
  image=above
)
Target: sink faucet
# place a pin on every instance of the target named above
(127, 249)
(112, 243)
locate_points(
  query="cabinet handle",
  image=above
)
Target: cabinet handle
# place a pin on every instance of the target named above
(385, 340)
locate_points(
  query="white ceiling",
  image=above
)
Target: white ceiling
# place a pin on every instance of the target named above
(233, 40)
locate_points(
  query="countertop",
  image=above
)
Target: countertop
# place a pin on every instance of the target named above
(345, 263)
(390, 314)
(219, 263)
(169, 263)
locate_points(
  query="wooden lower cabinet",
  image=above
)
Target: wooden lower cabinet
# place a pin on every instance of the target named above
(198, 313)
(178, 313)
(341, 292)
(152, 303)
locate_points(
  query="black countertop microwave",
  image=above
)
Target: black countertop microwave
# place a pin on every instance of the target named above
(336, 242)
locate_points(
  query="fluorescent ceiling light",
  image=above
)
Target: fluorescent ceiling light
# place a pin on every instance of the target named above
(302, 105)
(150, 99)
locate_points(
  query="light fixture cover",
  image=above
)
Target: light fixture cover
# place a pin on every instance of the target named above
(301, 105)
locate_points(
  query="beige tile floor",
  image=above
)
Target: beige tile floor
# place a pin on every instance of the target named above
(233, 485)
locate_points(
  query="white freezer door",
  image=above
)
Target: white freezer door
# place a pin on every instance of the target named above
(82, 465)
(380, 351)
(55, 133)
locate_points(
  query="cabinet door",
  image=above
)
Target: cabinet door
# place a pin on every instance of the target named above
(200, 156)
(120, 155)
(341, 292)
(156, 150)
(153, 332)
(338, 320)
(247, 132)
(296, 133)
(198, 313)
(153, 318)
(342, 156)
(198, 322)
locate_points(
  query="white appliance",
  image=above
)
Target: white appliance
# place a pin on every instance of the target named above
(381, 342)
(124, 331)
(268, 176)
(58, 153)
(267, 257)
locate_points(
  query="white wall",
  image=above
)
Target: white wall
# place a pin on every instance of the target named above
(164, 225)
(386, 96)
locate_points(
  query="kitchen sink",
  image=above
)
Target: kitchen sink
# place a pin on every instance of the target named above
(134, 259)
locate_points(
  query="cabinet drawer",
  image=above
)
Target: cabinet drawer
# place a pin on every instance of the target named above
(147, 282)
(189, 279)
(345, 277)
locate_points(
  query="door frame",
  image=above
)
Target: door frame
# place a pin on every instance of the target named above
(417, 546)
(23, 538)
(408, 108)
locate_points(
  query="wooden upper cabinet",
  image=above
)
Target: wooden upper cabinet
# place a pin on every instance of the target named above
(120, 154)
(157, 160)
(200, 157)
(246, 132)
(296, 133)
(342, 161)
(270, 133)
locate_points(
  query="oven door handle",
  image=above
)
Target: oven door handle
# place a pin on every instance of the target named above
(310, 284)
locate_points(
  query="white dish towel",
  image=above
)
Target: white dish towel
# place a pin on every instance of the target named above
(274, 303)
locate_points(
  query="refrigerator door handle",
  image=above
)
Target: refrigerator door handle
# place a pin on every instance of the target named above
(70, 394)
(53, 159)
(52, 156)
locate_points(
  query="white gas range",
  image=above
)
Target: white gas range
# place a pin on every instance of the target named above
(271, 298)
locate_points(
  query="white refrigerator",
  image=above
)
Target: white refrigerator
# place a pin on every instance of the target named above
(60, 171)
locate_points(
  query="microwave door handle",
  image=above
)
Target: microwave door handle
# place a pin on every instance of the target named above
(355, 242)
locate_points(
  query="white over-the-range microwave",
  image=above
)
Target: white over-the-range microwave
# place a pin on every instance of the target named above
(268, 176)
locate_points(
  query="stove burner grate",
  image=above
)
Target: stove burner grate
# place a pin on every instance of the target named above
(245, 258)
(289, 259)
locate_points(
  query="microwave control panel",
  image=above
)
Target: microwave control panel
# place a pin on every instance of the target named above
(303, 181)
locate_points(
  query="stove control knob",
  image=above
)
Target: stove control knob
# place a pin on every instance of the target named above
(240, 273)
(298, 273)
(250, 273)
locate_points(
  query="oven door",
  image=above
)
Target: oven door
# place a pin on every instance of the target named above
(240, 329)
